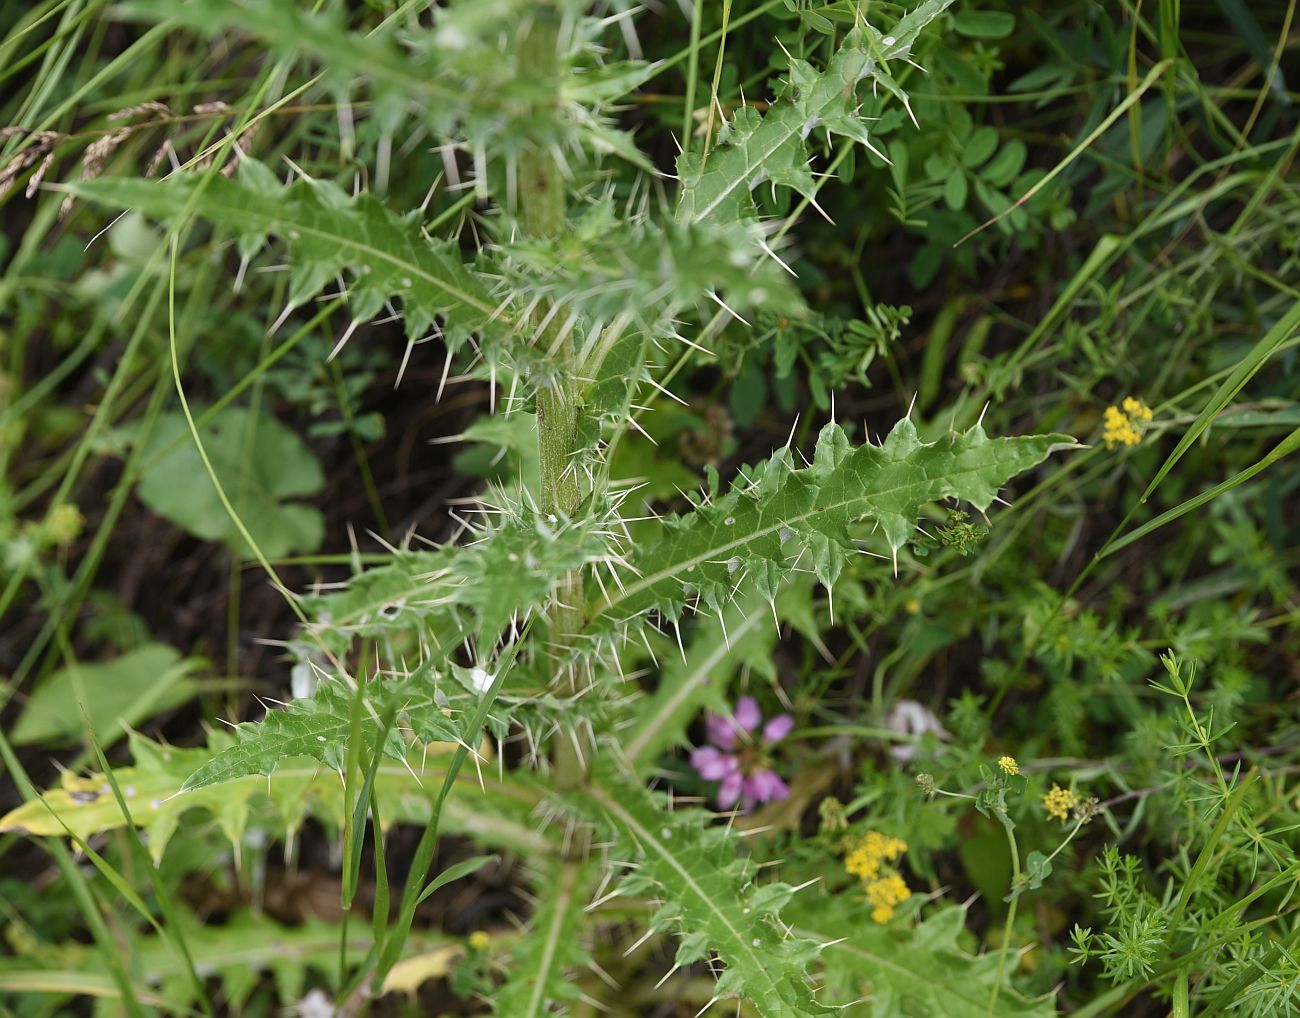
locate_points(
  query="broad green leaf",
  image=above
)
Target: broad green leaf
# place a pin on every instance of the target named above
(984, 24)
(514, 435)
(114, 694)
(712, 899)
(954, 189)
(262, 466)
(979, 147)
(754, 533)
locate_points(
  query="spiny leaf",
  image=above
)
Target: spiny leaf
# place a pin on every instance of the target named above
(455, 592)
(743, 634)
(463, 78)
(495, 811)
(899, 965)
(605, 266)
(327, 232)
(317, 728)
(710, 897)
(546, 955)
(754, 148)
(761, 527)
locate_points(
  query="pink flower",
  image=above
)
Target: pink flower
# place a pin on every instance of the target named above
(736, 760)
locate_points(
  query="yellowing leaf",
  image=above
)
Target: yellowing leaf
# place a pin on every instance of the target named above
(409, 974)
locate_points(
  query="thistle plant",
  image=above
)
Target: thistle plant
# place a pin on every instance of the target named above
(487, 687)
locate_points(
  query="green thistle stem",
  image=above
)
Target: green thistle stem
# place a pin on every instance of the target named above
(542, 213)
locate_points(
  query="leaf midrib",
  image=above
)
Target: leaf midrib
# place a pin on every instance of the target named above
(401, 264)
(782, 138)
(213, 202)
(881, 961)
(567, 887)
(610, 805)
(650, 579)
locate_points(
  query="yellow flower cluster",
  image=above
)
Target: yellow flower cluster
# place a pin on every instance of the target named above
(1059, 801)
(886, 893)
(864, 861)
(1009, 765)
(479, 940)
(872, 861)
(1121, 424)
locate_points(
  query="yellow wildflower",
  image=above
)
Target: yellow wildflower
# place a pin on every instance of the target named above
(1136, 409)
(1059, 801)
(861, 863)
(872, 861)
(1009, 765)
(885, 894)
(479, 940)
(1122, 426)
(864, 861)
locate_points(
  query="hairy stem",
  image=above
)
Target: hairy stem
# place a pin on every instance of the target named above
(542, 214)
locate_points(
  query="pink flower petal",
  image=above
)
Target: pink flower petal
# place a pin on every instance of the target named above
(720, 730)
(729, 790)
(712, 764)
(778, 728)
(747, 715)
(764, 786)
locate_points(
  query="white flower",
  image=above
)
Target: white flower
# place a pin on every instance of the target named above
(481, 679)
(302, 681)
(907, 717)
(315, 1005)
